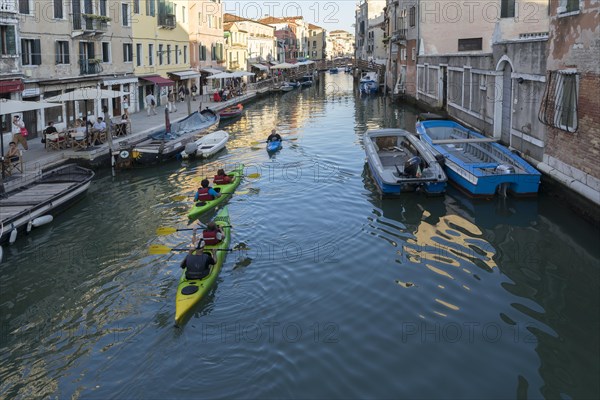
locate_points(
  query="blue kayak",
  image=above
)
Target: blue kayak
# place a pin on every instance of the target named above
(274, 145)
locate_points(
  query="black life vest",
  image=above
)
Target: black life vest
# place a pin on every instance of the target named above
(197, 266)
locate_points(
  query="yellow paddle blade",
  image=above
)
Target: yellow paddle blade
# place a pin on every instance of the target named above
(159, 249)
(253, 176)
(180, 198)
(165, 230)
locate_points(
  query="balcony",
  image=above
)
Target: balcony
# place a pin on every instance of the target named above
(91, 24)
(89, 67)
(399, 36)
(167, 21)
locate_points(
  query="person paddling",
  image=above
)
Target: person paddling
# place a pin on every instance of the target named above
(274, 136)
(213, 234)
(221, 178)
(205, 192)
(198, 262)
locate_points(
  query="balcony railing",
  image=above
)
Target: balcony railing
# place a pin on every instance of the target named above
(399, 35)
(167, 21)
(89, 68)
(89, 24)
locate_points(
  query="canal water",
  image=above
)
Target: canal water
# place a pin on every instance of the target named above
(335, 293)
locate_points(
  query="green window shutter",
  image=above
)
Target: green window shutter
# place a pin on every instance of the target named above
(57, 53)
(11, 42)
(67, 60)
(36, 56)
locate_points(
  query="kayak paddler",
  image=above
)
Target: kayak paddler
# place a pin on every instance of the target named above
(205, 192)
(274, 136)
(198, 262)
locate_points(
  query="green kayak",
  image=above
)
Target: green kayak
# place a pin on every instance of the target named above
(190, 292)
(227, 190)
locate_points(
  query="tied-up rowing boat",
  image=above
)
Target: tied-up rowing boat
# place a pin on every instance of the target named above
(189, 292)
(227, 190)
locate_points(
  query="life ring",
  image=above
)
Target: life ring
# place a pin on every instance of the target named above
(124, 154)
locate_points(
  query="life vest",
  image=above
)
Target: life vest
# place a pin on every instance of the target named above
(222, 179)
(203, 195)
(197, 266)
(210, 238)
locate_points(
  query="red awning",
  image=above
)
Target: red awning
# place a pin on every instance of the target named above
(158, 80)
(14, 85)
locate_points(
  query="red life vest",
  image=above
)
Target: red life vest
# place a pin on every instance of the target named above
(210, 237)
(203, 195)
(221, 179)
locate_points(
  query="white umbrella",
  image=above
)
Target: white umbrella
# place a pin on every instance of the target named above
(284, 66)
(307, 62)
(221, 75)
(90, 93)
(16, 106)
(239, 74)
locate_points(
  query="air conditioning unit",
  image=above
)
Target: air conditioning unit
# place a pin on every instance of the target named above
(27, 73)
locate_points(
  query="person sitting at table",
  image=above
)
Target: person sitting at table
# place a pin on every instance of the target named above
(49, 130)
(122, 125)
(98, 128)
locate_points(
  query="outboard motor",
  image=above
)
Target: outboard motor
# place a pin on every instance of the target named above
(503, 169)
(440, 160)
(411, 166)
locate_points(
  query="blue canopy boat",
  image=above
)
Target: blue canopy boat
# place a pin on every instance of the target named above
(400, 162)
(476, 163)
(369, 83)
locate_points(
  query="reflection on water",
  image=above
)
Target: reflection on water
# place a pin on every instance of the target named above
(488, 299)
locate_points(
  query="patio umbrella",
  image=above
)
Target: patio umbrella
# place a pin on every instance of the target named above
(8, 106)
(221, 75)
(284, 66)
(239, 74)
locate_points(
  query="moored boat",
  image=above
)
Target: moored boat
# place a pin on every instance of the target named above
(206, 146)
(400, 162)
(190, 292)
(477, 164)
(163, 145)
(369, 83)
(231, 112)
(333, 70)
(36, 203)
(227, 190)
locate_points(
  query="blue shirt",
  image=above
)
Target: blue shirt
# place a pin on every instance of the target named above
(211, 191)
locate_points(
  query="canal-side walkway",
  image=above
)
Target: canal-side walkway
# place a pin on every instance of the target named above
(38, 158)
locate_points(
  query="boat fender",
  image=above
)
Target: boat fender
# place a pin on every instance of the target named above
(43, 220)
(504, 169)
(29, 226)
(191, 148)
(13, 236)
(1, 254)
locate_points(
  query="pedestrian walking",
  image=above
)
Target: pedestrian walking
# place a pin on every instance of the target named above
(150, 103)
(171, 101)
(19, 132)
(194, 91)
(181, 93)
(125, 105)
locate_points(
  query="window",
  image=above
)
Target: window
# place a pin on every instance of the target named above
(567, 6)
(127, 52)
(507, 8)
(176, 54)
(202, 52)
(138, 54)
(414, 54)
(125, 13)
(168, 54)
(160, 54)
(24, 6)
(199, 18)
(183, 14)
(102, 6)
(472, 44)
(105, 52)
(185, 54)
(58, 9)
(150, 54)
(31, 53)
(151, 8)
(213, 52)
(8, 44)
(62, 52)
(412, 16)
(566, 102)
(136, 6)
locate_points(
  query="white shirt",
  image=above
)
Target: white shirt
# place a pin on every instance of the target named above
(17, 128)
(149, 99)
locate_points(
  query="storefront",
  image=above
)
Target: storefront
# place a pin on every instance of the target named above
(156, 85)
(126, 85)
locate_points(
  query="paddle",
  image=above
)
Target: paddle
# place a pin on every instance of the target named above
(162, 249)
(283, 139)
(184, 197)
(167, 230)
